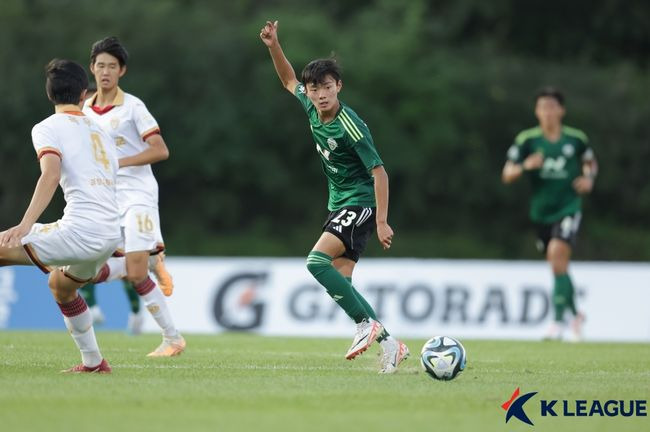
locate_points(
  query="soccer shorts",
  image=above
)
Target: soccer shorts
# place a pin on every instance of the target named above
(79, 255)
(565, 229)
(353, 226)
(141, 230)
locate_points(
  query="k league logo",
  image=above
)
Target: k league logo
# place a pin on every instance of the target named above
(515, 406)
(551, 408)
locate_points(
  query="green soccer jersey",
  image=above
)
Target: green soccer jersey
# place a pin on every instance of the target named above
(553, 195)
(347, 154)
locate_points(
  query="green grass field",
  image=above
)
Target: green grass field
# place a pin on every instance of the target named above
(236, 382)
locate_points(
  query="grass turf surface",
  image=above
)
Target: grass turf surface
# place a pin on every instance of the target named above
(239, 382)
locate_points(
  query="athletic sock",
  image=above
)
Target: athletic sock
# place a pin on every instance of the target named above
(155, 303)
(79, 322)
(88, 293)
(134, 298)
(570, 294)
(369, 310)
(563, 296)
(320, 266)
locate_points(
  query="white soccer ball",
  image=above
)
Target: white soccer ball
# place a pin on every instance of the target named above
(443, 357)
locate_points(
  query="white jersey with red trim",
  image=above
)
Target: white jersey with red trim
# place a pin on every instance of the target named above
(129, 123)
(88, 172)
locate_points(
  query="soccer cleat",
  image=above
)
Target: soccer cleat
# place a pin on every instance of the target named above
(169, 347)
(134, 324)
(576, 328)
(395, 352)
(98, 315)
(367, 332)
(165, 281)
(102, 368)
(554, 332)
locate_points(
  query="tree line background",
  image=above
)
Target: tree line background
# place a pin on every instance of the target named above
(444, 86)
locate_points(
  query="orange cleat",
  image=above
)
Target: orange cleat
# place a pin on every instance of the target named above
(170, 347)
(165, 281)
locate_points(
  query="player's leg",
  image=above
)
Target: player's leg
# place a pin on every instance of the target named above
(134, 324)
(564, 234)
(159, 270)
(79, 321)
(14, 256)
(394, 351)
(137, 269)
(88, 293)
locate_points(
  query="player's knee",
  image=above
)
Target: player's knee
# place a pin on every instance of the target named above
(318, 262)
(135, 277)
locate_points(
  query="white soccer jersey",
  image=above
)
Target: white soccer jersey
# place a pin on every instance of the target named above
(88, 171)
(129, 124)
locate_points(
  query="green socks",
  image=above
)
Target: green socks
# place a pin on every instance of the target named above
(369, 310)
(320, 266)
(134, 298)
(88, 293)
(563, 296)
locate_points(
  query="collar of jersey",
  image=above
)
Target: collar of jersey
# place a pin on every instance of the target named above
(76, 113)
(119, 100)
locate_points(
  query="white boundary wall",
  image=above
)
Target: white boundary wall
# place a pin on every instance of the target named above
(413, 298)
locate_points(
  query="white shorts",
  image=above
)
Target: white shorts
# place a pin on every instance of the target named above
(141, 230)
(80, 256)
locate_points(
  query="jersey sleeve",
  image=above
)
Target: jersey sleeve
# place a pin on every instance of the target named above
(584, 149)
(519, 150)
(45, 141)
(301, 94)
(144, 121)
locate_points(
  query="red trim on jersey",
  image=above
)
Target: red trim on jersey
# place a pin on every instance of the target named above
(100, 110)
(44, 152)
(152, 133)
(34, 258)
(77, 113)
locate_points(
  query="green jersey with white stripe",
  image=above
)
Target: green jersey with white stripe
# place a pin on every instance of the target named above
(347, 154)
(553, 195)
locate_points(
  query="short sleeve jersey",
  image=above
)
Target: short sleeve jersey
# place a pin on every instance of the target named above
(347, 154)
(553, 195)
(88, 172)
(129, 124)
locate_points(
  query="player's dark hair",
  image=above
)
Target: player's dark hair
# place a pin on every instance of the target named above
(64, 82)
(110, 45)
(317, 70)
(551, 92)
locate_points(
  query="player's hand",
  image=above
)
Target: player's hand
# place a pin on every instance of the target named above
(533, 162)
(12, 237)
(269, 33)
(385, 235)
(583, 184)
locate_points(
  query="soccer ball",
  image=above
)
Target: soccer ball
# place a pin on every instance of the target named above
(443, 358)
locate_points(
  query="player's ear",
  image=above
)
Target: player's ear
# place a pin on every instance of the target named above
(122, 71)
(339, 85)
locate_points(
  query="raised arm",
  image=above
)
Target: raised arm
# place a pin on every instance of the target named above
(269, 35)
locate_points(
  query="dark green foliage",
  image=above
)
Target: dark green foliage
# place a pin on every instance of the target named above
(443, 85)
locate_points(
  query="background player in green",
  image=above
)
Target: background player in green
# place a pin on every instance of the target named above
(561, 166)
(358, 194)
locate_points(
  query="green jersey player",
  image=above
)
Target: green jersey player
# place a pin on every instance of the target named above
(561, 167)
(358, 194)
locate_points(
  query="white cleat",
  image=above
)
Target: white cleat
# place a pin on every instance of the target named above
(367, 332)
(395, 352)
(554, 332)
(134, 324)
(98, 315)
(576, 328)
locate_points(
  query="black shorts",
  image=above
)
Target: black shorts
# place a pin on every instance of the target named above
(565, 229)
(353, 226)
